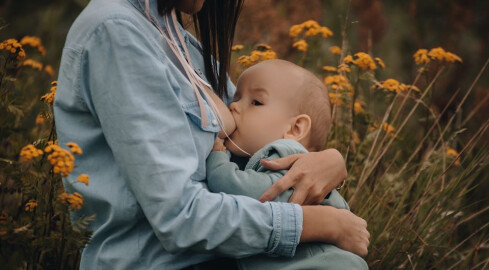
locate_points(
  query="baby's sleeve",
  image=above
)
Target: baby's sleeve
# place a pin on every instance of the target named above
(225, 176)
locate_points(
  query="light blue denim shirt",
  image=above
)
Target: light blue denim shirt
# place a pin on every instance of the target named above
(122, 97)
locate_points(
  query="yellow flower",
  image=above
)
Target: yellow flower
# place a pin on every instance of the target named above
(335, 50)
(407, 87)
(29, 152)
(343, 68)
(62, 161)
(358, 107)
(329, 68)
(34, 42)
(49, 97)
(338, 82)
(75, 200)
(32, 63)
(380, 62)
(453, 153)
(391, 85)
(421, 57)
(300, 45)
(49, 70)
(313, 29)
(40, 119)
(29, 207)
(237, 47)
(14, 47)
(389, 129)
(450, 57)
(83, 178)
(75, 149)
(310, 24)
(326, 32)
(312, 32)
(348, 60)
(295, 30)
(437, 53)
(335, 99)
(364, 61)
(262, 53)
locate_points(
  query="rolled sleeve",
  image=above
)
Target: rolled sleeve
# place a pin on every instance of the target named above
(130, 89)
(287, 219)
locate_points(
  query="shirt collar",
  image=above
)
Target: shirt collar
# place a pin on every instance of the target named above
(153, 9)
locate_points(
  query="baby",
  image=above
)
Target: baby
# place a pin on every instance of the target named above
(279, 109)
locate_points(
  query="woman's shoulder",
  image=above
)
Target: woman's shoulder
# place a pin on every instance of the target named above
(100, 12)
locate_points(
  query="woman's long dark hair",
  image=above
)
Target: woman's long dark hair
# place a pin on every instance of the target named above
(214, 24)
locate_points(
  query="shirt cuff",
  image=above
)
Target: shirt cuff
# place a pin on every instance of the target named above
(287, 229)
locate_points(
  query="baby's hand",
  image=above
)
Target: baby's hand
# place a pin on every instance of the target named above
(219, 145)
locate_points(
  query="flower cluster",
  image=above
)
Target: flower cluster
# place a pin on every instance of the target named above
(49, 97)
(237, 47)
(336, 99)
(300, 45)
(308, 28)
(33, 63)
(74, 148)
(14, 47)
(311, 28)
(75, 200)
(29, 207)
(62, 161)
(358, 107)
(34, 42)
(364, 61)
(330, 68)
(423, 56)
(29, 152)
(263, 52)
(83, 178)
(395, 86)
(338, 82)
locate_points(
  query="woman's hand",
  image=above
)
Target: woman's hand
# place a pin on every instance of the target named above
(312, 175)
(339, 227)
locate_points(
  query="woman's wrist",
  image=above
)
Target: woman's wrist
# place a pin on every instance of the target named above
(319, 224)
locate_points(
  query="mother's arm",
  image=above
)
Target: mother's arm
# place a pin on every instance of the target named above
(313, 175)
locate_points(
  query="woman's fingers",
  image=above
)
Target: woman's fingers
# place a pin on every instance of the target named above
(298, 197)
(278, 187)
(281, 163)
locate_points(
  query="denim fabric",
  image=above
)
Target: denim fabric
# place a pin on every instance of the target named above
(122, 97)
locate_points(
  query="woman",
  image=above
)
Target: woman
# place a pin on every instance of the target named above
(127, 97)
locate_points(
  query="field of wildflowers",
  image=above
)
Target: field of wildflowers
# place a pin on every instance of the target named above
(415, 148)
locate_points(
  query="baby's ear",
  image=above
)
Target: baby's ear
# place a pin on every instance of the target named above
(299, 129)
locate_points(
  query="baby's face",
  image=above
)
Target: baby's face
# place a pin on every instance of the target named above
(263, 107)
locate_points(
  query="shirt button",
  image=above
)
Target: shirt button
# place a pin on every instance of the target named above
(214, 122)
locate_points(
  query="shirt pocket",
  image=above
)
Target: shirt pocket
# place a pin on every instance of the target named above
(204, 136)
(192, 109)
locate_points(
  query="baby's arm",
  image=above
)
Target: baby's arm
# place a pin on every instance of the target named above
(225, 176)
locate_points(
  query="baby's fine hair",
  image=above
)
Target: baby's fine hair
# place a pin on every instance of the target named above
(313, 100)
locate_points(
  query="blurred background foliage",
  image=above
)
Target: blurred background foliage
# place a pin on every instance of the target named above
(392, 30)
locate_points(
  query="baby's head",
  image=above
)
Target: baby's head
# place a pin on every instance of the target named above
(276, 99)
